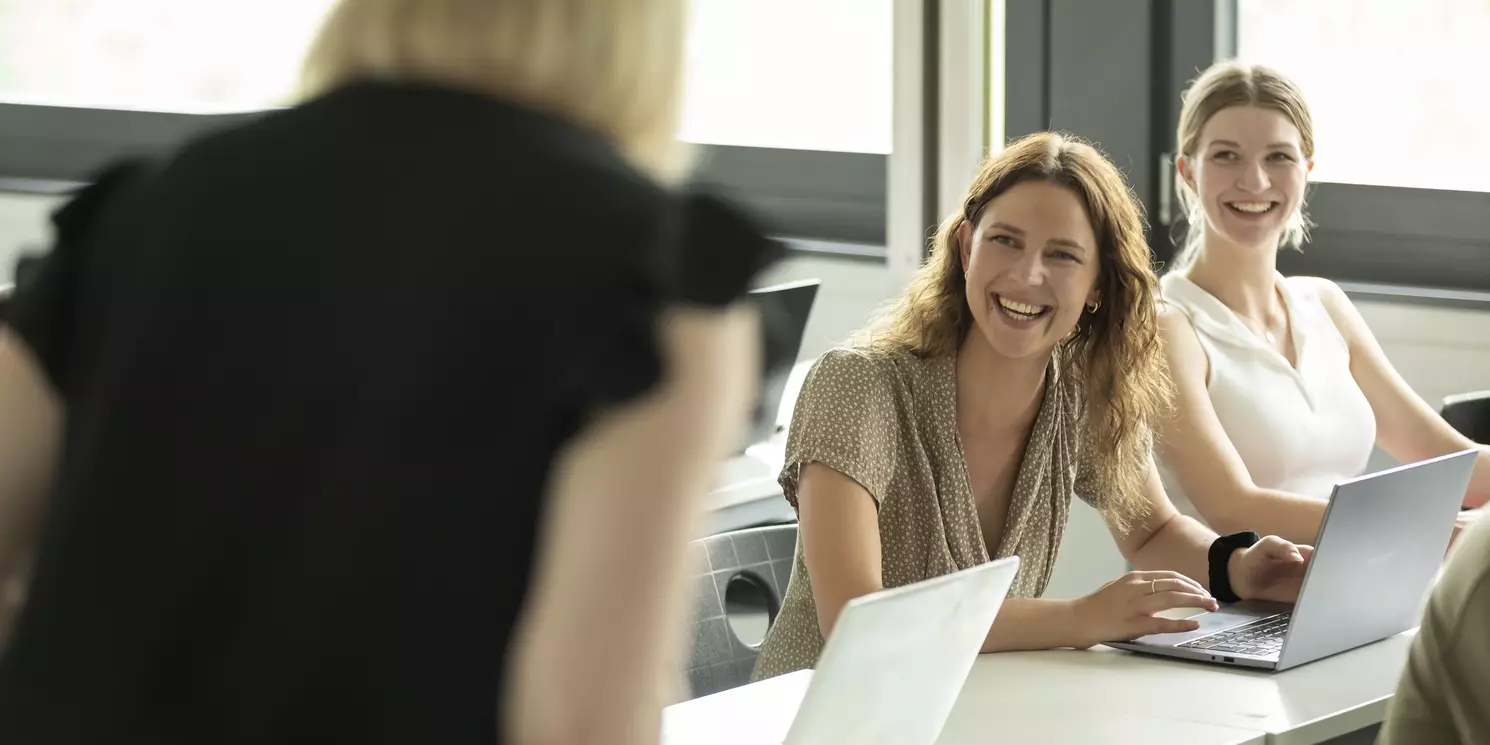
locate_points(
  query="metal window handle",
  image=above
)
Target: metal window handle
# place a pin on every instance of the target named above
(1166, 189)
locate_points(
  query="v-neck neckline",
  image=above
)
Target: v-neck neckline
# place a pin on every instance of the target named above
(1206, 311)
(1222, 321)
(1296, 332)
(1020, 501)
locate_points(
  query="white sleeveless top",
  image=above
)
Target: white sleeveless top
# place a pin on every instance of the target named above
(1297, 430)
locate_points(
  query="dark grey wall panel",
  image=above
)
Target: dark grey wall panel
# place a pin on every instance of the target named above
(1026, 67)
(1101, 81)
(70, 144)
(805, 194)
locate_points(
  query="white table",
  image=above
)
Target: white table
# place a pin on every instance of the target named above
(1308, 704)
(1105, 696)
(761, 714)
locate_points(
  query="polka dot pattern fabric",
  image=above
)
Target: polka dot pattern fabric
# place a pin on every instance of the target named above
(888, 420)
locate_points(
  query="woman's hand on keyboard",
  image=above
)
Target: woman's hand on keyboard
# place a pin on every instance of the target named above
(1126, 607)
(1272, 569)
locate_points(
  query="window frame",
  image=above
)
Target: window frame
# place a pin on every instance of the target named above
(820, 195)
(45, 145)
(816, 196)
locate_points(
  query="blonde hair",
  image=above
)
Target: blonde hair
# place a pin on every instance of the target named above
(612, 66)
(1222, 86)
(1114, 355)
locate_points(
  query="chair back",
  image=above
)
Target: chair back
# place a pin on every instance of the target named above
(742, 579)
(1470, 414)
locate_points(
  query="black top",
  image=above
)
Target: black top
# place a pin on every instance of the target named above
(316, 370)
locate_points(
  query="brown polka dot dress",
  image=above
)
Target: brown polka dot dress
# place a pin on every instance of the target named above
(888, 420)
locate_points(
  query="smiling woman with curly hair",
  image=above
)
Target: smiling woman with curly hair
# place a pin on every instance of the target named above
(1019, 368)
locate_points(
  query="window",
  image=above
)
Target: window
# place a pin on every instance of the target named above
(1396, 89)
(792, 98)
(798, 74)
(186, 56)
(794, 74)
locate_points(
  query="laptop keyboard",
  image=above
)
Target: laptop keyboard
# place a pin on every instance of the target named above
(1263, 637)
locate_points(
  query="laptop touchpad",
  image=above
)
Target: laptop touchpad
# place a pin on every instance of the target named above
(1181, 613)
(1210, 622)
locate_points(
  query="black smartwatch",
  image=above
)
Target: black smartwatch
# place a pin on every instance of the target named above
(1220, 556)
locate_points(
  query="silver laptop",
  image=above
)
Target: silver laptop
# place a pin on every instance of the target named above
(897, 660)
(1381, 544)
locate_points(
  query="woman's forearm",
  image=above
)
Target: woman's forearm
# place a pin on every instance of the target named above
(1294, 517)
(1035, 623)
(1181, 545)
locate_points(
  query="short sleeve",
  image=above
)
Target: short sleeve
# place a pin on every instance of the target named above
(1091, 484)
(719, 251)
(846, 418)
(1088, 483)
(45, 310)
(695, 249)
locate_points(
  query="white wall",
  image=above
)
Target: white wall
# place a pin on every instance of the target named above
(1439, 351)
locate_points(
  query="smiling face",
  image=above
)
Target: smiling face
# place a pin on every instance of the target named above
(1249, 170)
(1032, 265)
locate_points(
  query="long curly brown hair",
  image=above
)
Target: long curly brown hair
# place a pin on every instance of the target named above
(1114, 355)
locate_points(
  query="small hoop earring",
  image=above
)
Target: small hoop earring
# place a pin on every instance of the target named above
(1094, 306)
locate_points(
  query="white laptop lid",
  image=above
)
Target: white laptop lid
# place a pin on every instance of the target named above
(897, 659)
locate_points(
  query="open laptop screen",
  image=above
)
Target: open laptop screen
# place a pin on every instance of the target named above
(784, 310)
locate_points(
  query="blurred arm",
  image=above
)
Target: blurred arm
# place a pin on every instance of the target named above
(601, 635)
(30, 437)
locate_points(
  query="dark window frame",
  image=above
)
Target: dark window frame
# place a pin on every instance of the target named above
(819, 196)
(64, 144)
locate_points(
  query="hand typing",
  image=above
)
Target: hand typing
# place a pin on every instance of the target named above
(1272, 569)
(1125, 608)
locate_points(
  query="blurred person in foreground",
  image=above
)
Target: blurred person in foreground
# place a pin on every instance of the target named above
(1443, 697)
(376, 419)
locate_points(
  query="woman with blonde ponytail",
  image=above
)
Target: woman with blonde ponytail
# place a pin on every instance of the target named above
(1282, 391)
(1019, 369)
